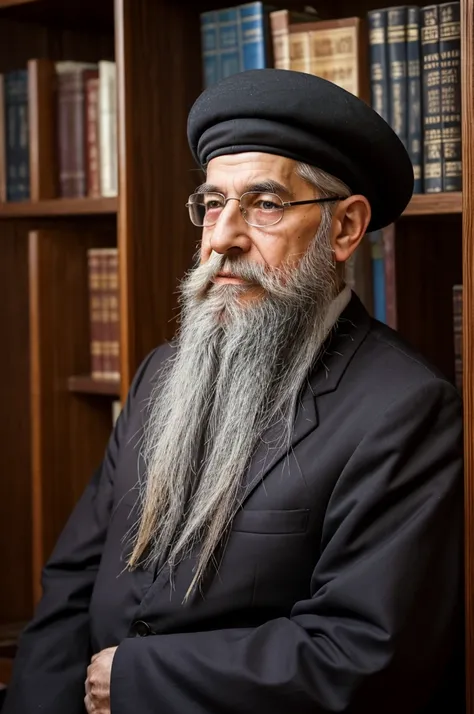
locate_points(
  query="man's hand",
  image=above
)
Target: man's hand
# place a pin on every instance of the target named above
(97, 699)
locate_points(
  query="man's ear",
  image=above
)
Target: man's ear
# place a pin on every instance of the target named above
(350, 221)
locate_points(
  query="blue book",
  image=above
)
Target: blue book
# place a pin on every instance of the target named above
(397, 19)
(415, 117)
(255, 35)
(210, 47)
(17, 142)
(378, 61)
(378, 276)
(230, 46)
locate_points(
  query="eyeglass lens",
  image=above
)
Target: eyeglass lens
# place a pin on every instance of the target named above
(258, 209)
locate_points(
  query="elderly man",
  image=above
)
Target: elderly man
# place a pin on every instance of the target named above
(277, 522)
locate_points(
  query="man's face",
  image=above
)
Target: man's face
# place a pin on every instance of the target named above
(283, 244)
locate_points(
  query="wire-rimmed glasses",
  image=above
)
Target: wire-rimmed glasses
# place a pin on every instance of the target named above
(258, 209)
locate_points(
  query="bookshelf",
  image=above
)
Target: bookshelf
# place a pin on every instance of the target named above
(53, 418)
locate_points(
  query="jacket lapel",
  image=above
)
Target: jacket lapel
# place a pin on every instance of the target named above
(341, 346)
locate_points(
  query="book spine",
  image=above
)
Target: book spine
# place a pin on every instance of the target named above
(457, 330)
(72, 164)
(378, 62)
(108, 128)
(17, 136)
(450, 67)
(252, 22)
(431, 76)
(105, 313)
(279, 23)
(230, 60)
(300, 52)
(92, 137)
(95, 312)
(334, 56)
(113, 314)
(415, 127)
(397, 71)
(210, 47)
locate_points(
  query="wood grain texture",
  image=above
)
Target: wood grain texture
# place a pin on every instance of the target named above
(42, 130)
(89, 15)
(434, 204)
(59, 207)
(159, 76)
(15, 457)
(467, 79)
(84, 384)
(69, 432)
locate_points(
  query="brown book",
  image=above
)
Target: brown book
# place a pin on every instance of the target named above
(113, 327)
(95, 312)
(336, 50)
(92, 136)
(280, 21)
(71, 79)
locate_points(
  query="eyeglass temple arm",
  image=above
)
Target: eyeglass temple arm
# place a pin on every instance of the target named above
(313, 200)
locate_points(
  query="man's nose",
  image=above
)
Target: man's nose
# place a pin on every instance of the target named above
(230, 232)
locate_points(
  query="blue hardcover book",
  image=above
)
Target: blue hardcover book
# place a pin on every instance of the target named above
(17, 135)
(230, 46)
(378, 275)
(415, 117)
(253, 22)
(378, 60)
(431, 76)
(397, 71)
(210, 47)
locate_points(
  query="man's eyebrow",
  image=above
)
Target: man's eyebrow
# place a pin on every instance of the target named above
(266, 186)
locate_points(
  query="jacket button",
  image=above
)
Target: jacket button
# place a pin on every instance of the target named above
(141, 629)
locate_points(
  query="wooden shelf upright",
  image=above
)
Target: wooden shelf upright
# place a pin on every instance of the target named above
(54, 423)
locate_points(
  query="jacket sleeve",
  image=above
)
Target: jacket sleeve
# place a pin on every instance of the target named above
(379, 624)
(54, 651)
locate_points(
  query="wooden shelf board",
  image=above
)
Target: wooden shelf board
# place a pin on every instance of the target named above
(12, 3)
(434, 204)
(86, 385)
(59, 207)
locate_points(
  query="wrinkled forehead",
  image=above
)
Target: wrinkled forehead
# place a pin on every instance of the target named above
(240, 171)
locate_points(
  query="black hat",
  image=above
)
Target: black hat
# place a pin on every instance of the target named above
(311, 120)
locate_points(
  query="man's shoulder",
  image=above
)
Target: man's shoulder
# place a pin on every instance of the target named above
(146, 374)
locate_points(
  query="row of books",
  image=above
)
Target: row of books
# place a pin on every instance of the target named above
(82, 101)
(415, 65)
(404, 61)
(103, 286)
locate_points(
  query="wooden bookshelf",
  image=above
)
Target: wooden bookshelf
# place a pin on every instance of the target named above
(43, 290)
(59, 207)
(84, 384)
(434, 204)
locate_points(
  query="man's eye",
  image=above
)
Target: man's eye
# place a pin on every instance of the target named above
(213, 204)
(267, 205)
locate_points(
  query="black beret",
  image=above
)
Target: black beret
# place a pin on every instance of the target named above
(308, 119)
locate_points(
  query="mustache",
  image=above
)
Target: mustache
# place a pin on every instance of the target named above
(200, 278)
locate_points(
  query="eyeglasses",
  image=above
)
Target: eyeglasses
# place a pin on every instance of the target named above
(258, 209)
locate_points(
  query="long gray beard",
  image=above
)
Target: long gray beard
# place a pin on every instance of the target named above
(238, 368)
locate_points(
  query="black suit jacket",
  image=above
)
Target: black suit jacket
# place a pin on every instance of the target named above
(340, 589)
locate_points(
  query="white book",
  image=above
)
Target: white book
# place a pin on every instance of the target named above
(108, 128)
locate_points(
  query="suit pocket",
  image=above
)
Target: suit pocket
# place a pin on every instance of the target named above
(271, 522)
